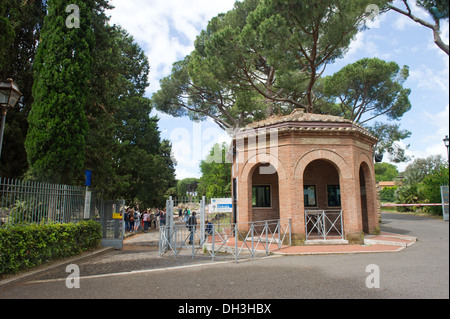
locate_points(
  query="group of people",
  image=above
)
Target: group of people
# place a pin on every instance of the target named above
(135, 220)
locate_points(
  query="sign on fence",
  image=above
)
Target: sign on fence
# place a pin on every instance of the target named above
(87, 204)
(221, 205)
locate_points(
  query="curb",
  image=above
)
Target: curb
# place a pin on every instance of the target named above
(45, 268)
(328, 253)
(387, 243)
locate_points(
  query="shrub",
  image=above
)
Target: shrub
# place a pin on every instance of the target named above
(387, 194)
(430, 188)
(27, 246)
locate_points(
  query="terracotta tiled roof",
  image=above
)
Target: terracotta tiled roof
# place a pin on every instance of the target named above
(299, 115)
(298, 120)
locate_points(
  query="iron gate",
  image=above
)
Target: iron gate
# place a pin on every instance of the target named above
(225, 240)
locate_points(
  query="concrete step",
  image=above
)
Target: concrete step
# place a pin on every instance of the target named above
(390, 240)
(326, 242)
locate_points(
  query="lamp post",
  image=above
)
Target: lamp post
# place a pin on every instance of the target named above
(9, 96)
(446, 142)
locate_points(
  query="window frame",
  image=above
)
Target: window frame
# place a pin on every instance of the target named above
(339, 195)
(306, 204)
(262, 186)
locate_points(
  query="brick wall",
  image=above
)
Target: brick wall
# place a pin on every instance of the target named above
(309, 158)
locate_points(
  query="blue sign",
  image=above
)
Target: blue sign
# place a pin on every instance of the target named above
(224, 206)
(88, 175)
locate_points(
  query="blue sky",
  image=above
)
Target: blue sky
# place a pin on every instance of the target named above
(166, 30)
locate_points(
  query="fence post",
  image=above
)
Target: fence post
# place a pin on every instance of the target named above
(176, 240)
(324, 229)
(253, 240)
(236, 236)
(169, 219)
(213, 242)
(279, 234)
(202, 221)
(290, 232)
(267, 239)
(192, 232)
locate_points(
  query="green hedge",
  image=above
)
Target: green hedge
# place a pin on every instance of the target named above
(27, 246)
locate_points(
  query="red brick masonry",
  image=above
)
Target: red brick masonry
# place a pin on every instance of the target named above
(307, 149)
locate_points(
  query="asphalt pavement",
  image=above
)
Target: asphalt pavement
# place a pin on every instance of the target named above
(419, 271)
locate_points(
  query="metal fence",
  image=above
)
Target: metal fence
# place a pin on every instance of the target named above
(218, 238)
(27, 202)
(24, 202)
(235, 241)
(324, 224)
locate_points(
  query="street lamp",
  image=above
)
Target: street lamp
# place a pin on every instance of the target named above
(446, 142)
(9, 96)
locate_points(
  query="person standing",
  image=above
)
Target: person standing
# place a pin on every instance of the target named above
(137, 217)
(192, 223)
(152, 219)
(208, 229)
(162, 218)
(131, 219)
(127, 219)
(146, 218)
(157, 218)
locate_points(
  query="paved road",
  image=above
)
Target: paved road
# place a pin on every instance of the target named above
(420, 271)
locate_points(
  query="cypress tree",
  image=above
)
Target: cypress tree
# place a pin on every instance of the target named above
(56, 139)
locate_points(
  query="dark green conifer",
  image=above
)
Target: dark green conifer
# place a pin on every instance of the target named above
(56, 138)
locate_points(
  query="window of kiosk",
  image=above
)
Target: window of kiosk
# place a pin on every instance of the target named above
(310, 196)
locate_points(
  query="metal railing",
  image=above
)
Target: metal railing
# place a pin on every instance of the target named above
(233, 240)
(324, 224)
(25, 202)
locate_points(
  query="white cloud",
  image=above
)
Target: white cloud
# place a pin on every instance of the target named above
(166, 30)
(440, 124)
(368, 44)
(431, 79)
(432, 143)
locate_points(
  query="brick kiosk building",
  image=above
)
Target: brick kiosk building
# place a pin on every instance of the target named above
(308, 168)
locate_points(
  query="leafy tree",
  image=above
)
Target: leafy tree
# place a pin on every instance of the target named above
(187, 187)
(216, 173)
(56, 139)
(109, 124)
(260, 59)
(265, 58)
(422, 181)
(388, 134)
(20, 28)
(430, 188)
(420, 168)
(367, 89)
(209, 82)
(385, 172)
(105, 88)
(387, 194)
(407, 194)
(125, 148)
(302, 37)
